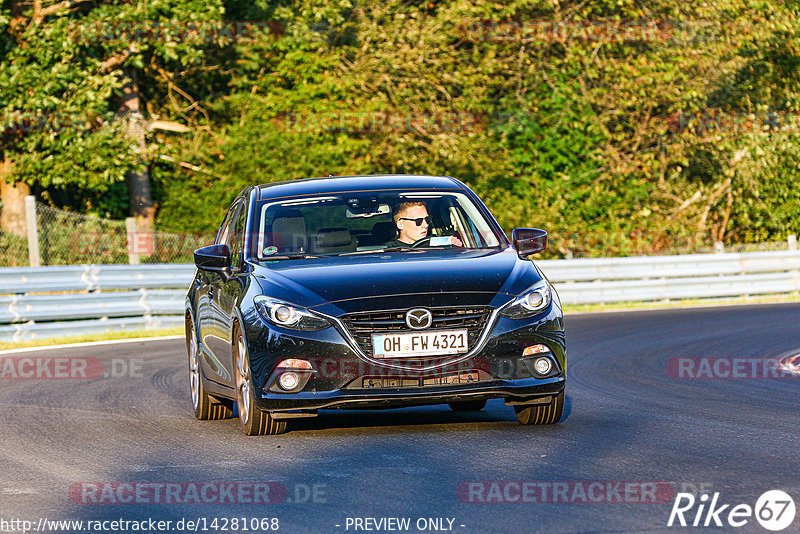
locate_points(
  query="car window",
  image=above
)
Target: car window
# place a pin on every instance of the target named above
(349, 222)
(237, 236)
(224, 229)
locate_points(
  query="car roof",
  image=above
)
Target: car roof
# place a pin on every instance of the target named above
(352, 184)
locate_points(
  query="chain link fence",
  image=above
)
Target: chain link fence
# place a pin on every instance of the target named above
(13, 250)
(68, 238)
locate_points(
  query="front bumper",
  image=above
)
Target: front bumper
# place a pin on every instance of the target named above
(522, 391)
(341, 376)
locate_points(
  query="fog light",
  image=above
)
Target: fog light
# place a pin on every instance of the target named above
(543, 366)
(288, 381)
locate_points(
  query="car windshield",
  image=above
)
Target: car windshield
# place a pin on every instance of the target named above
(367, 222)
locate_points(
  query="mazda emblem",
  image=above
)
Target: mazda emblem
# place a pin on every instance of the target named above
(419, 319)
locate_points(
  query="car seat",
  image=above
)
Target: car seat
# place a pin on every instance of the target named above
(289, 231)
(334, 240)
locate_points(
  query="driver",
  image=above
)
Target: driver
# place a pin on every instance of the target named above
(412, 222)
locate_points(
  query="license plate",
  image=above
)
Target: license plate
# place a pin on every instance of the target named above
(419, 343)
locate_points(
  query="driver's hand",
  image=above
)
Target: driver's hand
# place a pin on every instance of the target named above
(454, 240)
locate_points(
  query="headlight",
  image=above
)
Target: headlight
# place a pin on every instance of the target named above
(534, 300)
(282, 314)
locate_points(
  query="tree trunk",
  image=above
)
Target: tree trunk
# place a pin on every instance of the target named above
(12, 213)
(142, 206)
(18, 20)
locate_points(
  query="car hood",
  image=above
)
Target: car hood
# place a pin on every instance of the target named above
(343, 284)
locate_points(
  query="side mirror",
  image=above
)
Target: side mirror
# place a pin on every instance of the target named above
(213, 258)
(529, 240)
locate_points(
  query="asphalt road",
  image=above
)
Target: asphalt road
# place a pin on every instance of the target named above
(628, 418)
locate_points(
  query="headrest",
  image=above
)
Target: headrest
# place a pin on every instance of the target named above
(289, 230)
(333, 237)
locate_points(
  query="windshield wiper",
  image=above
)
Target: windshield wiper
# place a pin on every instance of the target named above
(379, 251)
(289, 257)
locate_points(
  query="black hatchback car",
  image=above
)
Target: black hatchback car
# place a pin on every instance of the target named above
(370, 292)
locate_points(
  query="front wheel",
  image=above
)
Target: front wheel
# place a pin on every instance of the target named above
(252, 421)
(541, 414)
(206, 407)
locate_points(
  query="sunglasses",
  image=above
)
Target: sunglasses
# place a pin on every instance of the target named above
(419, 220)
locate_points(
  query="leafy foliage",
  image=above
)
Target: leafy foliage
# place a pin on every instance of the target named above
(612, 140)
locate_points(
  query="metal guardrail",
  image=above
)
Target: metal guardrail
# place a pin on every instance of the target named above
(677, 288)
(652, 278)
(94, 277)
(142, 303)
(650, 267)
(76, 300)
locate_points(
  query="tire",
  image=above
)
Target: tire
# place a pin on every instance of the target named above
(206, 407)
(541, 414)
(467, 406)
(252, 421)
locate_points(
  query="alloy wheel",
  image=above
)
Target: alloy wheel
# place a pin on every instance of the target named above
(194, 369)
(243, 397)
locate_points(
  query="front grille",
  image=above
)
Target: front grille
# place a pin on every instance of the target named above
(363, 324)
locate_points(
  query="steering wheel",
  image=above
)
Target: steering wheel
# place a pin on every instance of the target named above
(421, 242)
(425, 241)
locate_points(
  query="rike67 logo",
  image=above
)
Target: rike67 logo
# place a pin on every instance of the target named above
(774, 510)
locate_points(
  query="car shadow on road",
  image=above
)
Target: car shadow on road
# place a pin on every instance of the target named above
(440, 416)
